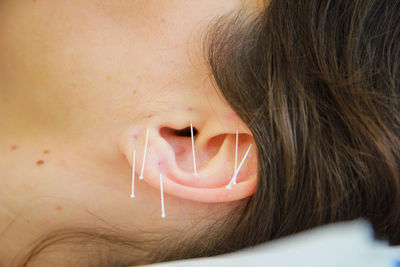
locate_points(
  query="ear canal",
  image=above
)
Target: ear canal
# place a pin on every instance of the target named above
(181, 142)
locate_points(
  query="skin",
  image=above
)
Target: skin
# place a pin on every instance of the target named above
(78, 81)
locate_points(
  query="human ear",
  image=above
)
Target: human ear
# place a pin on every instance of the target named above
(169, 151)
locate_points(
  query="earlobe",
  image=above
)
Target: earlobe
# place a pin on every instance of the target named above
(169, 151)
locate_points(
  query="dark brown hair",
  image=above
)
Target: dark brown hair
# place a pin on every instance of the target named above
(317, 83)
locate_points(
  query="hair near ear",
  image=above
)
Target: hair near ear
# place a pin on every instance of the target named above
(317, 82)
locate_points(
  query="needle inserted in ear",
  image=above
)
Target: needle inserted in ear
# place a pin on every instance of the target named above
(236, 152)
(162, 197)
(144, 154)
(133, 172)
(194, 156)
(229, 186)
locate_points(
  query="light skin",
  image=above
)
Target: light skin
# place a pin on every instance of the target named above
(80, 82)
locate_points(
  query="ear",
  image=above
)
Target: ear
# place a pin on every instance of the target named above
(169, 151)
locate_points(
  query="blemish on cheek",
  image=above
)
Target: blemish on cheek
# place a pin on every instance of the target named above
(46, 151)
(134, 92)
(59, 208)
(108, 78)
(189, 109)
(163, 20)
(135, 137)
(150, 115)
(39, 162)
(14, 147)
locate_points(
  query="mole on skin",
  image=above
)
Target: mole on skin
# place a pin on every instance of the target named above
(59, 208)
(14, 147)
(46, 151)
(39, 162)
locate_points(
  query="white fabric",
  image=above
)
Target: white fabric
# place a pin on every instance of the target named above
(344, 244)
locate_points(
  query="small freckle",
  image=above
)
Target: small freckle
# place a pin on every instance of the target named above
(14, 147)
(134, 92)
(163, 20)
(108, 78)
(46, 151)
(150, 115)
(59, 208)
(39, 162)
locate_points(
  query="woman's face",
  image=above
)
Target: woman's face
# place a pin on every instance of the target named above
(80, 82)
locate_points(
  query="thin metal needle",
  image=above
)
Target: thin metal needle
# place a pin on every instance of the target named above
(194, 156)
(236, 152)
(133, 172)
(144, 154)
(229, 186)
(162, 197)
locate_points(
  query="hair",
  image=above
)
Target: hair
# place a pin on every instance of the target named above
(317, 83)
